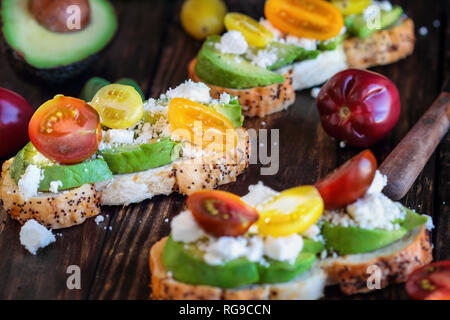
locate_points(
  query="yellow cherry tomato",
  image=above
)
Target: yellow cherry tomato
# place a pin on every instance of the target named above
(256, 34)
(292, 211)
(194, 122)
(203, 18)
(348, 7)
(119, 106)
(315, 19)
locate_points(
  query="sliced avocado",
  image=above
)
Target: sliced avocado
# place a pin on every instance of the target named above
(286, 53)
(232, 110)
(281, 271)
(186, 264)
(331, 44)
(312, 246)
(135, 158)
(91, 87)
(132, 83)
(71, 176)
(46, 51)
(229, 70)
(359, 26)
(352, 240)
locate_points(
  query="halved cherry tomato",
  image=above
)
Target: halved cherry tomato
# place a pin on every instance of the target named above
(349, 182)
(199, 124)
(221, 213)
(292, 211)
(65, 129)
(256, 34)
(119, 106)
(348, 7)
(315, 19)
(431, 282)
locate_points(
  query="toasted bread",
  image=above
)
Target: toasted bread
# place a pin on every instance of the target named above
(395, 263)
(184, 176)
(61, 210)
(308, 286)
(383, 47)
(258, 101)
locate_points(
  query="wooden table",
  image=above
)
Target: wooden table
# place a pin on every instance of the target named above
(152, 48)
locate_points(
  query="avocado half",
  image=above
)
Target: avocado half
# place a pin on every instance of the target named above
(53, 56)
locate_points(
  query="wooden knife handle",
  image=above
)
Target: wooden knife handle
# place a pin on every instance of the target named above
(406, 161)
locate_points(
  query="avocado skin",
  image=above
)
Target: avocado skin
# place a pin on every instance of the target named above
(357, 25)
(187, 266)
(130, 159)
(353, 240)
(220, 69)
(91, 87)
(232, 110)
(71, 176)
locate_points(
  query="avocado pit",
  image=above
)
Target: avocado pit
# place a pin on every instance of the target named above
(63, 16)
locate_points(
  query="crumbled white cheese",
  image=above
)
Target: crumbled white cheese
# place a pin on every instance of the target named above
(34, 236)
(315, 92)
(423, 31)
(342, 144)
(119, 136)
(305, 43)
(263, 58)
(225, 98)
(155, 106)
(378, 183)
(277, 34)
(30, 180)
(196, 91)
(185, 228)
(312, 232)
(55, 185)
(429, 224)
(259, 194)
(223, 249)
(232, 42)
(283, 248)
(99, 219)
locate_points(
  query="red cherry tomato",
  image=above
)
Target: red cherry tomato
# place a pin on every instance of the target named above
(359, 107)
(221, 213)
(349, 182)
(15, 113)
(66, 130)
(431, 282)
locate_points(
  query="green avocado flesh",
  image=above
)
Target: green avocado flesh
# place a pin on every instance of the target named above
(331, 44)
(226, 70)
(232, 110)
(44, 49)
(135, 158)
(187, 265)
(352, 240)
(71, 176)
(358, 26)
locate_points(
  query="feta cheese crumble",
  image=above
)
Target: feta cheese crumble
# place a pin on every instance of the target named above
(263, 58)
(99, 219)
(259, 194)
(185, 228)
(225, 98)
(283, 248)
(423, 31)
(34, 236)
(30, 180)
(55, 185)
(315, 92)
(232, 42)
(225, 249)
(196, 91)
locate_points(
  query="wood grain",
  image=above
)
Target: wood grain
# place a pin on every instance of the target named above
(152, 48)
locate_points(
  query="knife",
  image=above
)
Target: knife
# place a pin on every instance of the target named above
(403, 165)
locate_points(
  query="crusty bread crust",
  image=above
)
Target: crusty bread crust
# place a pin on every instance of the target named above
(396, 262)
(383, 47)
(258, 101)
(55, 211)
(307, 287)
(184, 176)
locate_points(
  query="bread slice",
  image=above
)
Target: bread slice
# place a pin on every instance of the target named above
(308, 286)
(185, 176)
(395, 262)
(55, 211)
(258, 101)
(383, 47)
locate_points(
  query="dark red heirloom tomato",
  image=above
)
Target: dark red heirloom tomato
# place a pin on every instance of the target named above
(15, 112)
(349, 182)
(359, 107)
(221, 213)
(66, 130)
(431, 282)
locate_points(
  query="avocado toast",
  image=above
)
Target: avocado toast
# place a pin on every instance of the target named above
(142, 156)
(294, 246)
